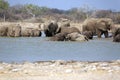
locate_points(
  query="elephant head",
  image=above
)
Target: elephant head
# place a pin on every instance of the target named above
(107, 22)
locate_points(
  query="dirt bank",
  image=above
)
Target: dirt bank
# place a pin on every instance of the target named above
(60, 70)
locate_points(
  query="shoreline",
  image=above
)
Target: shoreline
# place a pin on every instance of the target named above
(61, 70)
(53, 61)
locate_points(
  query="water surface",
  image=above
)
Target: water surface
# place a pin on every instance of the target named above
(38, 48)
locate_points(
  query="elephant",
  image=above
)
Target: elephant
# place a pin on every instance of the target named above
(59, 37)
(30, 32)
(98, 26)
(75, 36)
(36, 33)
(116, 35)
(14, 30)
(3, 30)
(49, 29)
(116, 38)
(62, 33)
(88, 34)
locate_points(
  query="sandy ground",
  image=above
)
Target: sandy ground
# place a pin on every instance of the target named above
(60, 70)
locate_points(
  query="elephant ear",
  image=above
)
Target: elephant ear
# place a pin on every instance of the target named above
(109, 25)
(101, 26)
(108, 22)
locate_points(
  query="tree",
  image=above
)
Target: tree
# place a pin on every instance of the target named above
(32, 9)
(88, 10)
(77, 14)
(3, 7)
(103, 13)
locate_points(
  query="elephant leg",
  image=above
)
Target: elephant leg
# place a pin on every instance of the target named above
(106, 34)
(99, 33)
(47, 33)
(53, 33)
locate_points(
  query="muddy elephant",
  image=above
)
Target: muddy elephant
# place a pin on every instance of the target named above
(14, 31)
(30, 32)
(75, 36)
(116, 35)
(98, 26)
(88, 34)
(59, 37)
(3, 30)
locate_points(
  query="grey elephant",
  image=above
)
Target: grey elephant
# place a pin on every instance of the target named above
(116, 35)
(116, 38)
(98, 26)
(12, 30)
(3, 30)
(59, 37)
(50, 29)
(30, 32)
(88, 34)
(75, 36)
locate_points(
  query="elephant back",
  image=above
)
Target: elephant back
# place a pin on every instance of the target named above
(69, 30)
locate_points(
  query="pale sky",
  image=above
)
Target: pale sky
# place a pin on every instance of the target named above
(67, 4)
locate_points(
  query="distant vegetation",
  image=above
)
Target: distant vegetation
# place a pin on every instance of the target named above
(31, 12)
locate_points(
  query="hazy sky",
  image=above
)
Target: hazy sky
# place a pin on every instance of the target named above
(67, 4)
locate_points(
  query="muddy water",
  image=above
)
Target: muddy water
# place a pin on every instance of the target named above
(36, 49)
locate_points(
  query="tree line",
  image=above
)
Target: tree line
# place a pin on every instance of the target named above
(36, 13)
